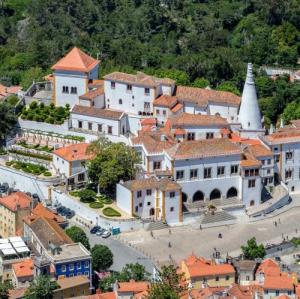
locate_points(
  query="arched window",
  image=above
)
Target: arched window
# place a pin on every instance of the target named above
(215, 194)
(252, 203)
(198, 196)
(232, 192)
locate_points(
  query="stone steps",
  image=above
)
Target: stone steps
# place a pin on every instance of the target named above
(218, 216)
(157, 225)
(215, 202)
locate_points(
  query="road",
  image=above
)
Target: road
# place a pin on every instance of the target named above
(123, 254)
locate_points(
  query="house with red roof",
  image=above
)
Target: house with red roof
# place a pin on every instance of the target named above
(22, 273)
(71, 76)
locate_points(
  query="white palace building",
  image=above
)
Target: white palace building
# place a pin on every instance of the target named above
(197, 146)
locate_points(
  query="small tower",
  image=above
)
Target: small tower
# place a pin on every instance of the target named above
(249, 113)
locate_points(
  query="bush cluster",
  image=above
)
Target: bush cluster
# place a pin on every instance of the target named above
(32, 155)
(110, 212)
(49, 114)
(29, 168)
(96, 205)
(38, 147)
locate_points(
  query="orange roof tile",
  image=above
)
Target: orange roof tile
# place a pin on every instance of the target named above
(179, 131)
(148, 121)
(187, 119)
(283, 297)
(202, 97)
(41, 211)
(165, 101)
(203, 148)
(97, 112)
(92, 94)
(285, 135)
(15, 201)
(74, 152)
(177, 108)
(278, 282)
(238, 139)
(133, 286)
(269, 267)
(6, 91)
(107, 295)
(259, 150)
(76, 60)
(24, 268)
(71, 282)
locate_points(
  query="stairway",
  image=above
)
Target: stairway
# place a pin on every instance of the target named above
(218, 216)
(157, 225)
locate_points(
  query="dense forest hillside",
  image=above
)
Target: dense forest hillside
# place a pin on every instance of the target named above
(197, 42)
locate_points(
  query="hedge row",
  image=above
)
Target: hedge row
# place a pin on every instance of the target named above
(29, 168)
(32, 155)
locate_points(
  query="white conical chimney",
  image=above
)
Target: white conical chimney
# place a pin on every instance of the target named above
(281, 123)
(272, 129)
(249, 114)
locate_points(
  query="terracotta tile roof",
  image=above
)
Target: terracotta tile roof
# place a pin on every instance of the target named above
(244, 292)
(202, 97)
(41, 211)
(71, 282)
(164, 184)
(179, 132)
(97, 112)
(177, 108)
(24, 268)
(165, 101)
(203, 148)
(133, 286)
(16, 200)
(17, 293)
(95, 83)
(290, 135)
(148, 121)
(6, 91)
(278, 283)
(74, 152)
(246, 265)
(138, 79)
(108, 295)
(283, 297)
(238, 139)
(92, 94)
(249, 160)
(187, 119)
(48, 230)
(154, 142)
(76, 60)
(269, 267)
(259, 150)
(198, 267)
(298, 290)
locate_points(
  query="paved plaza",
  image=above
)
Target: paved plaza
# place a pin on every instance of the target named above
(178, 242)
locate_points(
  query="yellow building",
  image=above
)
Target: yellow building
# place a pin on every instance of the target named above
(200, 272)
(13, 208)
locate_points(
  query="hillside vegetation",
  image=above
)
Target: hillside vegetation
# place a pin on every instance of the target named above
(193, 41)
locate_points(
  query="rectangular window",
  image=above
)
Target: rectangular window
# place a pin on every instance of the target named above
(74, 90)
(156, 165)
(207, 173)
(172, 209)
(147, 91)
(269, 161)
(65, 89)
(157, 111)
(109, 129)
(86, 273)
(148, 203)
(191, 136)
(90, 126)
(80, 124)
(140, 204)
(146, 105)
(172, 194)
(112, 85)
(120, 102)
(136, 209)
(277, 292)
(179, 175)
(247, 278)
(288, 173)
(209, 135)
(276, 158)
(139, 194)
(63, 268)
(81, 177)
(71, 267)
(217, 278)
(251, 183)
(99, 128)
(164, 112)
(193, 174)
(78, 265)
(86, 264)
(221, 170)
(288, 155)
(234, 169)
(149, 192)
(129, 87)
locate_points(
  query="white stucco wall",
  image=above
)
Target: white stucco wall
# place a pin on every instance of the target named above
(124, 199)
(226, 111)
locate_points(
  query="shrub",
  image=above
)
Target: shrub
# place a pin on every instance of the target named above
(9, 163)
(87, 195)
(47, 173)
(74, 193)
(110, 212)
(32, 155)
(96, 205)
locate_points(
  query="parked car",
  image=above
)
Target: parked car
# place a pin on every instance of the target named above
(106, 234)
(70, 214)
(100, 232)
(95, 229)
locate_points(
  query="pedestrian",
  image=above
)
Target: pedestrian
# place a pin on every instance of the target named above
(169, 244)
(296, 231)
(151, 233)
(170, 231)
(200, 227)
(275, 223)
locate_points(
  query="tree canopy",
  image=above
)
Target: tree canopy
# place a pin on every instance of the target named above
(102, 257)
(77, 234)
(4, 289)
(41, 287)
(8, 119)
(252, 250)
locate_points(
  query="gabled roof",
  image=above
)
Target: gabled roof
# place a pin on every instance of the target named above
(74, 152)
(15, 201)
(284, 135)
(76, 60)
(269, 267)
(133, 286)
(259, 150)
(92, 94)
(71, 282)
(41, 211)
(165, 101)
(278, 283)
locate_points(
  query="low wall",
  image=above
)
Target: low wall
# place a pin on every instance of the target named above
(26, 182)
(91, 216)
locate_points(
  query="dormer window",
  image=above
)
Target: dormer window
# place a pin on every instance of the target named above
(112, 85)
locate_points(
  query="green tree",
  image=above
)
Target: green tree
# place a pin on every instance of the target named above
(8, 120)
(4, 289)
(228, 86)
(135, 271)
(112, 162)
(291, 111)
(33, 74)
(169, 284)
(252, 250)
(41, 287)
(200, 83)
(102, 257)
(77, 234)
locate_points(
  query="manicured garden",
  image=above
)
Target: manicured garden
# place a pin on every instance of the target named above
(96, 202)
(38, 147)
(29, 168)
(50, 114)
(30, 154)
